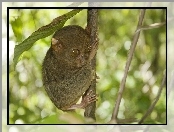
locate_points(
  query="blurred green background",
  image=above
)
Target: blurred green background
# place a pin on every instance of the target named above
(29, 102)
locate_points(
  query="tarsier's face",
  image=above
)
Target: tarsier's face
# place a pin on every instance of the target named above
(72, 46)
(79, 56)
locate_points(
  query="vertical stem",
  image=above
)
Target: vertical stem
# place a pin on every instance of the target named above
(92, 27)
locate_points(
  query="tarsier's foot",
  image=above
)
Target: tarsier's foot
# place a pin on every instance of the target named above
(87, 98)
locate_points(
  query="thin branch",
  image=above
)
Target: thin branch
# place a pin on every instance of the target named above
(152, 26)
(149, 111)
(132, 49)
(92, 29)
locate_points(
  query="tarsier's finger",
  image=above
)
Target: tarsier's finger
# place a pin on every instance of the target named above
(90, 92)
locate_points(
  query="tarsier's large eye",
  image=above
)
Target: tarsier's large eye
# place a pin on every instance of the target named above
(75, 52)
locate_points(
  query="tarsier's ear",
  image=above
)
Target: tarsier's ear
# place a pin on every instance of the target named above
(56, 44)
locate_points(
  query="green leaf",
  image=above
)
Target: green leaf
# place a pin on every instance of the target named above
(42, 32)
(16, 30)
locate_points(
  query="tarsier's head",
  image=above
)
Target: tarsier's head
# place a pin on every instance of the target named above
(71, 44)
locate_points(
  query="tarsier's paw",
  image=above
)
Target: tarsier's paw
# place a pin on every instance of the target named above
(93, 49)
(88, 98)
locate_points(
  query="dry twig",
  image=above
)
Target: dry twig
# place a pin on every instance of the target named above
(132, 49)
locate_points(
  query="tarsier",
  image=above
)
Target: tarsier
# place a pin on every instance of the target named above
(67, 71)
